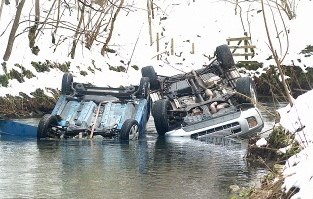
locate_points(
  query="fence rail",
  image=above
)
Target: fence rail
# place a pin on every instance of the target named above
(242, 43)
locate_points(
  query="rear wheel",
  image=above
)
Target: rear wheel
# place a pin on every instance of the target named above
(246, 87)
(144, 87)
(148, 71)
(45, 125)
(67, 83)
(129, 130)
(161, 118)
(225, 57)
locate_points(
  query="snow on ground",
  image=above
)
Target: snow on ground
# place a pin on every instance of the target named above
(207, 24)
(298, 169)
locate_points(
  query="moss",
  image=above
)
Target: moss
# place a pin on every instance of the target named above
(109, 50)
(47, 65)
(270, 153)
(307, 51)
(118, 68)
(4, 67)
(243, 192)
(14, 74)
(91, 70)
(35, 50)
(135, 67)
(64, 67)
(83, 73)
(26, 73)
(40, 67)
(27, 106)
(278, 138)
(4, 81)
(249, 65)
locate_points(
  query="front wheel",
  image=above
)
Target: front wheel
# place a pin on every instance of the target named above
(67, 83)
(45, 126)
(246, 89)
(160, 114)
(148, 71)
(225, 57)
(129, 130)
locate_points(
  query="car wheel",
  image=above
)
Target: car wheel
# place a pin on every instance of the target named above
(245, 86)
(149, 108)
(67, 83)
(161, 120)
(129, 130)
(144, 88)
(225, 57)
(45, 125)
(149, 72)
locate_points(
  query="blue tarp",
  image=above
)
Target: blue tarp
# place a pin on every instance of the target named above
(18, 128)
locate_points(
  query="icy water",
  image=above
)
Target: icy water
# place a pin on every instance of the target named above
(149, 168)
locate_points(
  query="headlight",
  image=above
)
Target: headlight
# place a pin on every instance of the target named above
(252, 122)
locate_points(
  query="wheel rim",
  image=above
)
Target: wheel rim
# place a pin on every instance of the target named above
(133, 132)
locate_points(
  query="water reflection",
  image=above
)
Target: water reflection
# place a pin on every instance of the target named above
(150, 168)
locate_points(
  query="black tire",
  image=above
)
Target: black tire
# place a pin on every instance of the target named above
(67, 83)
(129, 130)
(149, 108)
(246, 86)
(161, 119)
(148, 71)
(45, 125)
(144, 88)
(225, 57)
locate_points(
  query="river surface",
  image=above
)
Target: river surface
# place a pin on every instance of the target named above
(149, 168)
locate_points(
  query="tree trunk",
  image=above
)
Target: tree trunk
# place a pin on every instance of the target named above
(33, 29)
(15, 25)
(37, 12)
(276, 58)
(104, 47)
(77, 32)
(1, 7)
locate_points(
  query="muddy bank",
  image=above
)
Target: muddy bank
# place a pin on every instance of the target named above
(272, 152)
(268, 83)
(25, 106)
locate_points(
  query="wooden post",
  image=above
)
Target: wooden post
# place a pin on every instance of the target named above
(246, 44)
(192, 48)
(158, 46)
(172, 46)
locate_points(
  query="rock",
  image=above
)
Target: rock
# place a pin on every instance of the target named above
(234, 188)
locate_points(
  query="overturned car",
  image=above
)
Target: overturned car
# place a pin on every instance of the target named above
(212, 101)
(83, 111)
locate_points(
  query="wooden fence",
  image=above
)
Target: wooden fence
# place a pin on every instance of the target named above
(243, 43)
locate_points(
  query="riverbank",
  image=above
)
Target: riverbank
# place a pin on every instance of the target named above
(290, 174)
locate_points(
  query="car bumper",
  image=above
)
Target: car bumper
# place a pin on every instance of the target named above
(242, 124)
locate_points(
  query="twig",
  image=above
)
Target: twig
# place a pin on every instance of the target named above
(133, 49)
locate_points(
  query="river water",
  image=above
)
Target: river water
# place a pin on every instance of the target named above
(149, 168)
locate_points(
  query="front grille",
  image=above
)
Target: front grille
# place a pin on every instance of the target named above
(232, 128)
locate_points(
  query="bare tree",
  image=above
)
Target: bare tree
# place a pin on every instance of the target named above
(104, 47)
(1, 7)
(15, 25)
(32, 31)
(278, 60)
(76, 35)
(149, 9)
